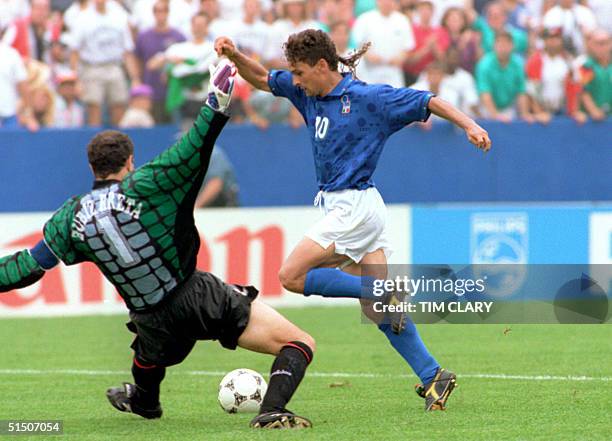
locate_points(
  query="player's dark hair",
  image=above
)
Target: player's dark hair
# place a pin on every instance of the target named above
(108, 152)
(311, 45)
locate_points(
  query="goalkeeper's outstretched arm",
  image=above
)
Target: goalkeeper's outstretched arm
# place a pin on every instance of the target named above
(26, 267)
(251, 70)
(179, 170)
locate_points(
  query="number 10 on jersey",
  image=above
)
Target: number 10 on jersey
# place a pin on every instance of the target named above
(321, 125)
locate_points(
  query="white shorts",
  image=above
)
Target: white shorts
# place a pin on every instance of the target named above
(355, 221)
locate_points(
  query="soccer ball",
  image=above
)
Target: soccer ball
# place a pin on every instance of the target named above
(242, 390)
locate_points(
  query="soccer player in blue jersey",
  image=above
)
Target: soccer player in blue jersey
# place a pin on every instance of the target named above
(349, 122)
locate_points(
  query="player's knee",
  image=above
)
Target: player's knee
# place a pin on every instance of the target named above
(285, 275)
(302, 337)
(307, 339)
(291, 280)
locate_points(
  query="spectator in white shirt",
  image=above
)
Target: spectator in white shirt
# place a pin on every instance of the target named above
(252, 36)
(602, 9)
(391, 36)
(13, 85)
(536, 10)
(433, 79)
(72, 15)
(179, 16)
(575, 20)
(340, 33)
(547, 74)
(11, 10)
(189, 62)
(69, 113)
(231, 10)
(250, 33)
(462, 82)
(194, 5)
(217, 25)
(295, 19)
(100, 43)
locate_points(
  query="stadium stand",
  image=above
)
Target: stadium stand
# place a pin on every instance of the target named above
(569, 78)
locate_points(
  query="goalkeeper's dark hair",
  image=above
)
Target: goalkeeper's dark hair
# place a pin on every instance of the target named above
(108, 152)
(311, 45)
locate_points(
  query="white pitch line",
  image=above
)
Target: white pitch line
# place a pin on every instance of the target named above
(536, 377)
(85, 372)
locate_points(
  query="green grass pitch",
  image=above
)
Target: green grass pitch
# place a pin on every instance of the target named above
(88, 354)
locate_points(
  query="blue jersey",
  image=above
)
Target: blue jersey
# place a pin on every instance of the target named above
(349, 126)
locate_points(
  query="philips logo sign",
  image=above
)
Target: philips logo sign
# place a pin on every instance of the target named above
(499, 238)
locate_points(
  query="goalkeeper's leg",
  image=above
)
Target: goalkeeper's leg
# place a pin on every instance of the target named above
(141, 398)
(269, 332)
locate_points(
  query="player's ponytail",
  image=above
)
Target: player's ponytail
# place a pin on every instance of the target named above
(352, 59)
(311, 45)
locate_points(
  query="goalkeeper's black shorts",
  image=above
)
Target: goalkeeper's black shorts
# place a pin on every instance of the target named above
(202, 308)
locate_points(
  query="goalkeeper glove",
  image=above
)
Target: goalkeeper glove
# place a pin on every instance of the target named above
(221, 85)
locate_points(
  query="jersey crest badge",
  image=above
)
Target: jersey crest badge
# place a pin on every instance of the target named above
(346, 104)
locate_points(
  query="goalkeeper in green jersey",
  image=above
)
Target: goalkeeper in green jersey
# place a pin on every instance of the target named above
(137, 226)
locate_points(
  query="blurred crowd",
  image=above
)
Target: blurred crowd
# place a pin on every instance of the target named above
(137, 63)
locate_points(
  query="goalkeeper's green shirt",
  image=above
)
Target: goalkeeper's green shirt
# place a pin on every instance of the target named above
(140, 232)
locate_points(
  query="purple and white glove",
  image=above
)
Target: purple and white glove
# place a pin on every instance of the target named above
(221, 85)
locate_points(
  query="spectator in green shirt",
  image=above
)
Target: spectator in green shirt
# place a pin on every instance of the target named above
(362, 6)
(496, 22)
(500, 79)
(596, 75)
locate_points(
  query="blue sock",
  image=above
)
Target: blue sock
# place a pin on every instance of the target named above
(332, 282)
(410, 346)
